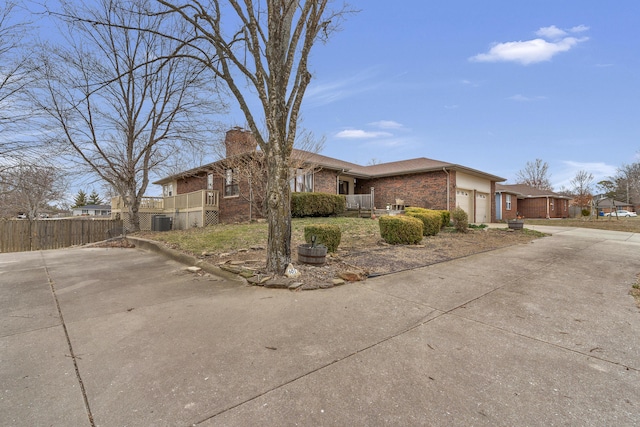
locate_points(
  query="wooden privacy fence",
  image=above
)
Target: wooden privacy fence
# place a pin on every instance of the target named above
(24, 235)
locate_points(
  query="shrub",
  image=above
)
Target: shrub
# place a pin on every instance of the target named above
(586, 212)
(446, 218)
(460, 220)
(400, 229)
(326, 234)
(431, 220)
(317, 204)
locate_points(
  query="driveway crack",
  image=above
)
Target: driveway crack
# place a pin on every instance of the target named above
(72, 354)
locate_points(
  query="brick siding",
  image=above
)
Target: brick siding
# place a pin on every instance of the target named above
(537, 207)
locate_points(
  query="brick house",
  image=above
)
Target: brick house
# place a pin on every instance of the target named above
(529, 202)
(417, 182)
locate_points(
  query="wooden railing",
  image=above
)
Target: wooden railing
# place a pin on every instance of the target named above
(193, 200)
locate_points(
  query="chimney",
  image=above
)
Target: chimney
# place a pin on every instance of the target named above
(239, 141)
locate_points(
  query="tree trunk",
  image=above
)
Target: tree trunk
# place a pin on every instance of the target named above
(278, 215)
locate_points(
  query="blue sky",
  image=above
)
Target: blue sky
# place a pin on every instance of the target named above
(489, 85)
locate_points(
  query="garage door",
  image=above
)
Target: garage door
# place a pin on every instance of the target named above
(483, 212)
(463, 200)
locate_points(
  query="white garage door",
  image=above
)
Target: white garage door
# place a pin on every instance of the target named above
(483, 208)
(463, 200)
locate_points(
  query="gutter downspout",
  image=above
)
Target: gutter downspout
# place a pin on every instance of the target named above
(448, 185)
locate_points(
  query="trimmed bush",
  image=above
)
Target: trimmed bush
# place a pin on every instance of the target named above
(460, 220)
(326, 234)
(446, 218)
(586, 212)
(317, 204)
(400, 229)
(431, 220)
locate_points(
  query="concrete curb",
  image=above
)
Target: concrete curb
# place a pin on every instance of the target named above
(153, 246)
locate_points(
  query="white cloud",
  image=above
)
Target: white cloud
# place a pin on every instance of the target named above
(533, 51)
(522, 98)
(552, 33)
(579, 29)
(323, 93)
(361, 134)
(451, 107)
(387, 124)
(599, 170)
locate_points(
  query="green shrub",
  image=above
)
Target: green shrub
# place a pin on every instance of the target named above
(431, 220)
(400, 229)
(317, 204)
(326, 234)
(460, 220)
(586, 212)
(446, 218)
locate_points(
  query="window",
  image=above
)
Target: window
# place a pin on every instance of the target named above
(301, 181)
(230, 184)
(167, 190)
(210, 181)
(551, 203)
(508, 201)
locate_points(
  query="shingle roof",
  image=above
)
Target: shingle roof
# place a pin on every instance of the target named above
(402, 167)
(527, 191)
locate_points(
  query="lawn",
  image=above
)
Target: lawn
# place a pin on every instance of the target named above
(356, 233)
(631, 225)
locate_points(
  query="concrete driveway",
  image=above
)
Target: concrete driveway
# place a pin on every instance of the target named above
(539, 334)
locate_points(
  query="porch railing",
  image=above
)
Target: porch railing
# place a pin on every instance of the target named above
(359, 201)
(193, 200)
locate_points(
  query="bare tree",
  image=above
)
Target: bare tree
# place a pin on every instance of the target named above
(16, 74)
(119, 100)
(535, 174)
(29, 189)
(608, 189)
(261, 50)
(627, 182)
(581, 188)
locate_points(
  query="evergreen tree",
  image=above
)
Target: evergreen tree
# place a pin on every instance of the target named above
(80, 199)
(94, 198)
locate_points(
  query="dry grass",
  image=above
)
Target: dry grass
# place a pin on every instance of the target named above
(356, 233)
(631, 225)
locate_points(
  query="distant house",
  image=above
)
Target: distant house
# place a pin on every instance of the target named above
(92, 210)
(528, 202)
(608, 205)
(216, 192)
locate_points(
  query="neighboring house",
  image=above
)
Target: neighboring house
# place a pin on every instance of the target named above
(222, 190)
(528, 202)
(607, 205)
(92, 210)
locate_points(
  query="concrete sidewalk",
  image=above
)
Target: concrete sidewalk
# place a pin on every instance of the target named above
(539, 334)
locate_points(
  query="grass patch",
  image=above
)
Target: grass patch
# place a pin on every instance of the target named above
(356, 232)
(631, 225)
(635, 291)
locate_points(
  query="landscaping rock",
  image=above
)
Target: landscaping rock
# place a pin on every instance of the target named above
(337, 282)
(351, 276)
(295, 285)
(291, 272)
(277, 283)
(193, 269)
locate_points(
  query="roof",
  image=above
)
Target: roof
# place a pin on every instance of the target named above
(93, 207)
(526, 191)
(402, 167)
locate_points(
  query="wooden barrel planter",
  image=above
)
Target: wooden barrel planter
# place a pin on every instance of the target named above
(516, 224)
(312, 254)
